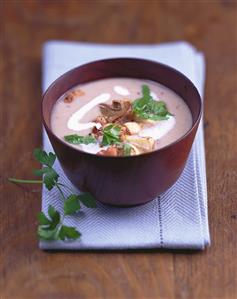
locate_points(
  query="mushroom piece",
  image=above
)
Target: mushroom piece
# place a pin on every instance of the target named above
(134, 150)
(116, 111)
(143, 144)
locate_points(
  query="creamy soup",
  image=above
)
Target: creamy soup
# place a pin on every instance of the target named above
(120, 116)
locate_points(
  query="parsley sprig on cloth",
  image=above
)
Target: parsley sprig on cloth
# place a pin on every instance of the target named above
(51, 225)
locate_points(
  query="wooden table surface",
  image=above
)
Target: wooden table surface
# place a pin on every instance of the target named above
(25, 271)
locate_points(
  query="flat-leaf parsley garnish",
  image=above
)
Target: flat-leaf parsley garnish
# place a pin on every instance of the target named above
(77, 139)
(147, 108)
(51, 225)
(111, 135)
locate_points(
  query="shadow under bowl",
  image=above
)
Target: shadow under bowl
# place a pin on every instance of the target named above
(124, 181)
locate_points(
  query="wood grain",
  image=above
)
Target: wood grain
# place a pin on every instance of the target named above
(25, 271)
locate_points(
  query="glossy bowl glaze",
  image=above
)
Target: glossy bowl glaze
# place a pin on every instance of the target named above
(124, 181)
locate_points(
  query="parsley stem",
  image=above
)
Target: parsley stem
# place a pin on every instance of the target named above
(13, 180)
(60, 190)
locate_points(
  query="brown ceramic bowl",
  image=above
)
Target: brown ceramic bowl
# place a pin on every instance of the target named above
(124, 181)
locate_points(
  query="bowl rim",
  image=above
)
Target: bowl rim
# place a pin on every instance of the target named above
(48, 129)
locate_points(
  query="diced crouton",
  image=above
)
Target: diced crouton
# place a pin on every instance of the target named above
(133, 127)
(72, 95)
(110, 151)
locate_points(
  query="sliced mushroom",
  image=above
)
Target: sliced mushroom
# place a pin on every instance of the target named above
(116, 111)
(134, 150)
(144, 144)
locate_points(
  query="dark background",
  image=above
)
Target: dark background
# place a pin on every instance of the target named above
(25, 271)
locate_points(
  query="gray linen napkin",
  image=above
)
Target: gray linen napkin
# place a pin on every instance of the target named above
(178, 218)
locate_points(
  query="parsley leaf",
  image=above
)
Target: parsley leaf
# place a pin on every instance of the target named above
(50, 176)
(48, 227)
(87, 200)
(147, 108)
(44, 158)
(111, 135)
(71, 205)
(47, 234)
(43, 219)
(76, 139)
(68, 233)
(54, 216)
(53, 229)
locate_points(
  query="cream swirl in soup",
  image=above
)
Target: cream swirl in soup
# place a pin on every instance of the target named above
(120, 117)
